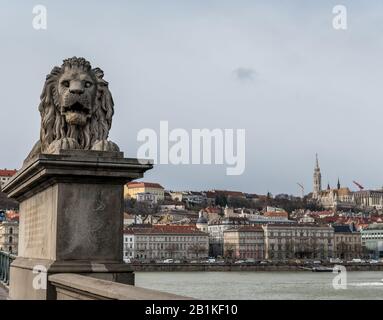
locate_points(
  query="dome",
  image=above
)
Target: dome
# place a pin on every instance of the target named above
(201, 220)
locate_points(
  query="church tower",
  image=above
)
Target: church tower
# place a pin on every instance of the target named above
(317, 178)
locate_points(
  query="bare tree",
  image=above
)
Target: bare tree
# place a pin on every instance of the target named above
(229, 251)
(197, 249)
(171, 249)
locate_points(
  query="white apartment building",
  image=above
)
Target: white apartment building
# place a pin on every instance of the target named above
(165, 241)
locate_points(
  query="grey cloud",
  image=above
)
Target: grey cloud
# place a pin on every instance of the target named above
(244, 74)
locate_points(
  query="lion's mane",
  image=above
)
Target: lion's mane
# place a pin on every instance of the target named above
(53, 123)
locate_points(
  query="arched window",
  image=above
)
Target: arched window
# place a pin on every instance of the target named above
(10, 230)
(10, 239)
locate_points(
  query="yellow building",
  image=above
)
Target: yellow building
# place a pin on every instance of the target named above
(131, 190)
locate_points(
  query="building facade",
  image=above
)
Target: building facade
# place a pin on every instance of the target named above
(372, 240)
(147, 197)
(300, 241)
(369, 199)
(340, 198)
(9, 236)
(244, 243)
(132, 189)
(347, 242)
(216, 229)
(165, 241)
(5, 176)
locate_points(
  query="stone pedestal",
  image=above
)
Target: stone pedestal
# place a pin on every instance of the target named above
(71, 218)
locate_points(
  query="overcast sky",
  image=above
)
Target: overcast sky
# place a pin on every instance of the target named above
(277, 69)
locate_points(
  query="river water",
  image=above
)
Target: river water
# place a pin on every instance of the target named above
(265, 285)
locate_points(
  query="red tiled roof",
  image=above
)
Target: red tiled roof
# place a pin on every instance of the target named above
(214, 193)
(276, 214)
(245, 229)
(138, 184)
(230, 193)
(212, 210)
(7, 173)
(300, 225)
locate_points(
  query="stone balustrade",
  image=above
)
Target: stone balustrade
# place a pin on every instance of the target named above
(69, 286)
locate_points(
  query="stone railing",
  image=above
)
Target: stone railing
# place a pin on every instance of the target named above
(5, 262)
(78, 287)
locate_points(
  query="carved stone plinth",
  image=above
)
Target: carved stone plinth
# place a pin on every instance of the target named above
(71, 218)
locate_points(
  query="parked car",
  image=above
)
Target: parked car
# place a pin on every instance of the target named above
(177, 261)
(357, 261)
(194, 261)
(210, 260)
(251, 261)
(168, 261)
(264, 262)
(239, 261)
(294, 261)
(373, 261)
(317, 262)
(335, 260)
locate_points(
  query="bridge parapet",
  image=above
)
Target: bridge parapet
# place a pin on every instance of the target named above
(69, 286)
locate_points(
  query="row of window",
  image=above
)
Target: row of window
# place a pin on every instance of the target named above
(301, 234)
(159, 239)
(159, 246)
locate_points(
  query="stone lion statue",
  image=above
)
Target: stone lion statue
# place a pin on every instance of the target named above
(76, 110)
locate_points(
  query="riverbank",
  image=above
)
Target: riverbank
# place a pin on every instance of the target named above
(243, 267)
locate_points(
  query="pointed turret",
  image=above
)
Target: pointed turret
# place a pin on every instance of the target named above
(317, 178)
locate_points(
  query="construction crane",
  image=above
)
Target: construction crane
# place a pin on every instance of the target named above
(358, 185)
(302, 188)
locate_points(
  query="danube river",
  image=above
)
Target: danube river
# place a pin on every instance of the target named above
(264, 285)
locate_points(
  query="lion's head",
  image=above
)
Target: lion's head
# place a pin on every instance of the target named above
(76, 106)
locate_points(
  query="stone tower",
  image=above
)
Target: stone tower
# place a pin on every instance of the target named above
(317, 178)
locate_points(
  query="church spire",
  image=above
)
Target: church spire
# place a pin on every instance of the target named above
(338, 184)
(316, 161)
(317, 178)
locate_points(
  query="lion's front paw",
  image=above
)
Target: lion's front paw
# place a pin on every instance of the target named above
(63, 144)
(105, 145)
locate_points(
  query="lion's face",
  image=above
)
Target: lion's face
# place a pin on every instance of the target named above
(76, 90)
